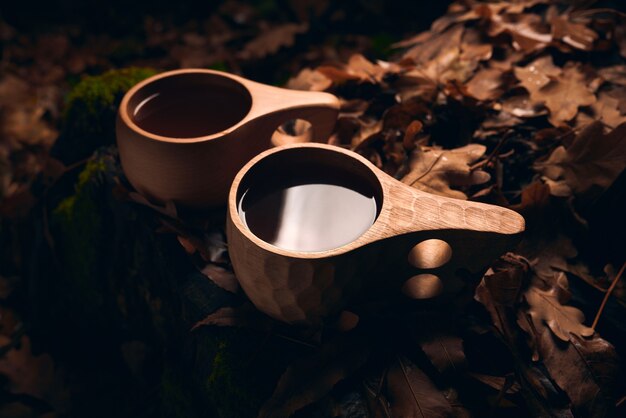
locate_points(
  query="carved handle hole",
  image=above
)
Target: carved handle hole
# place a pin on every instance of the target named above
(430, 254)
(293, 131)
(423, 286)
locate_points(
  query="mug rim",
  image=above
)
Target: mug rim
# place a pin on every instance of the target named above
(364, 238)
(128, 121)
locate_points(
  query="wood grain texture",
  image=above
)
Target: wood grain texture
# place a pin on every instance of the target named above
(197, 172)
(306, 287)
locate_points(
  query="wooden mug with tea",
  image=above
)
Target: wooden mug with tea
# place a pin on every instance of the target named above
(313, 227)
(183, 135)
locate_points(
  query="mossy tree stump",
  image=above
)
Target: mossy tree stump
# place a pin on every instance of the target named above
(114, 301)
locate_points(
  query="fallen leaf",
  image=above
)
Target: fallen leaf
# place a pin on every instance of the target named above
(522, 106)
(36, 376)
(574, 34)
(606, 109)
(444, 350)
(245, 315)
(411, 393)
(358, 69)
(594, 159)
(437, 171)
(308, 79)
(527, 31)
(547, 307)
(587, 370)
(561, 91)
(411, 133)
(615, 74)
(220, 276)
(272, 39)
(486, 84)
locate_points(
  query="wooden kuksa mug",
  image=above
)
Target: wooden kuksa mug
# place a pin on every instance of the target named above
(183, 135)
(415, 238)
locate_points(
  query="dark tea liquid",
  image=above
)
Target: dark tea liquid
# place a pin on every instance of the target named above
(190, 111)
(312, 213)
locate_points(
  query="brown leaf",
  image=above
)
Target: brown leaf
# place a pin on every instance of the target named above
(574, 34)
(435, 47)
(486, 84)
(506, 278)
(308, 79)
(272, 39)
(497, 382)
(36, 376)
(615, 74)
(358, 69)
(562, 92)
(412, 394)
(587, 370)
(411, 133)
(522, 106)
(437, 171)
(607, 109)
(245, 315)
(444, 350)
(220, 276)
(594, 159)
(309, 379)
(546, 307)
(527, 31)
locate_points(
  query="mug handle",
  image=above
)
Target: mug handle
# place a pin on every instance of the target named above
(273, 106)
(436, 235)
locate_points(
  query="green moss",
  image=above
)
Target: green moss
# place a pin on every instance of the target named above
(79, 220)
(245, 367)
(89, 117)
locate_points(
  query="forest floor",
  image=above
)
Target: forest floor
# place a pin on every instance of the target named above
(519, 104)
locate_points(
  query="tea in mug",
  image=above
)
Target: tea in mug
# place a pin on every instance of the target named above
(309, 213)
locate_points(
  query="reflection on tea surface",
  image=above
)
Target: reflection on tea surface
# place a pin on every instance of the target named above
(309, 215)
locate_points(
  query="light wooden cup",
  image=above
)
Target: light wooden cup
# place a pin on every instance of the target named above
(197, 172)
(417, 240)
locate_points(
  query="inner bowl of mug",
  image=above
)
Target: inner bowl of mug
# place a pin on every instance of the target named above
(309, 199)
(189, 105)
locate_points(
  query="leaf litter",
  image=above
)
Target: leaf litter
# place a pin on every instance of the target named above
(500, 102)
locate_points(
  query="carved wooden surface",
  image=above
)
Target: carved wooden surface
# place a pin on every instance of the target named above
(197, 172)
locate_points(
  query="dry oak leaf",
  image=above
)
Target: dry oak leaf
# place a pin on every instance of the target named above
(358, 69)
(437, 338)
(245, 315)
(615, 74)
(411, 393)
(607, 108)
(308, 79)
(528, 32)
(271, 40)
(436, 171)
(221, 277)
(587, 370)
(36, 376)
(594, 159)
(486, 84)
(574, 34)
(546, 307)
(561, 91)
